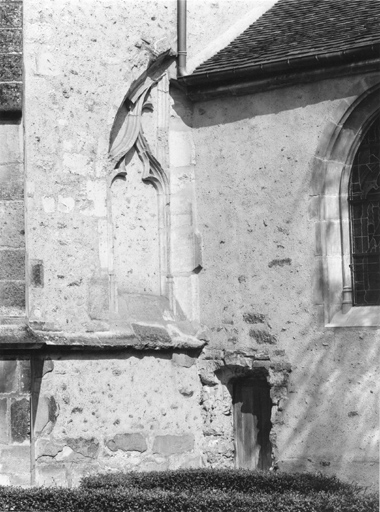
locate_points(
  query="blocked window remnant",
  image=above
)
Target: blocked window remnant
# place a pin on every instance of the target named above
(136, 233)
(252, 423)
(364, 199)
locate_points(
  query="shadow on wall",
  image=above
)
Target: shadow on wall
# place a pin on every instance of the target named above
(331, 411)
(232, 109)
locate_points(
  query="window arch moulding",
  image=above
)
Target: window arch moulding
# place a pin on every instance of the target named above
(331, 177)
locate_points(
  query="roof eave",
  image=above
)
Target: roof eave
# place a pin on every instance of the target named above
(253, 78)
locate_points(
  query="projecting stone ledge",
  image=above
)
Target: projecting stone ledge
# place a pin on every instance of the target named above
(136, 336)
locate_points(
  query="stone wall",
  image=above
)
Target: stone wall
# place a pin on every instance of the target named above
(106, 413)
(262, 289)
(224, 256)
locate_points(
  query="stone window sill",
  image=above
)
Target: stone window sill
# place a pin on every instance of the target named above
(357, 316)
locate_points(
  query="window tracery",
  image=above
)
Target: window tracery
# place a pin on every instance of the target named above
(364, 201)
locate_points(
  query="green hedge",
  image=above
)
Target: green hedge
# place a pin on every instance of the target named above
(174, 492)
(227, 480)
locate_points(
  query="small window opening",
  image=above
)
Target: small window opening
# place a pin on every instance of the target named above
(252, 423)
(364, 199)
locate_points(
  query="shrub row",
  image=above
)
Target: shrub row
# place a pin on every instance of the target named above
(195, 491)
(101, 500)
(199, 480)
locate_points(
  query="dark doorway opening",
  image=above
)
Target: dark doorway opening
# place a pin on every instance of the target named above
(252, 413)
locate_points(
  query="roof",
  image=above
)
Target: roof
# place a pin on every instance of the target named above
(293, 29)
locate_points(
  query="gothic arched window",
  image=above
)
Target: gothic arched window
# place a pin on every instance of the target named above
(364, 200)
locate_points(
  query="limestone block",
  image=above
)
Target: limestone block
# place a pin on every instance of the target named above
(12, 295)
(8, 376)
(10, 97)
(10, 67)
(151, 334)
(12, 264)
(48, 447)
(20, 420)
(236, 359)
(12, 224)
(182, 151)
(10, 40)
(51, 475)
(183, 360)
(4, 434)
(153, 465)
(84, 447)
(11, 181)
(169, 445)
(10, 148)
(15, 464)
(127, 443)
(11, 14)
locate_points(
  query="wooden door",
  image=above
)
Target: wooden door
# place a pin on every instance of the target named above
(252, 412)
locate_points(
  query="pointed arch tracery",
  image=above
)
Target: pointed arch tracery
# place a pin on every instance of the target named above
(127, 138)
(333, 166)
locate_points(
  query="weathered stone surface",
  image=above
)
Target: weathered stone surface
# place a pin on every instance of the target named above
(37, 273)
(48, 447)
(152, 335)
(46, 414)
(127, 443)
(280, 263)
(4, 429)
(11, 67)
(253, 318)
(213, 353)
(186, 391)
(10, 96)
(262, 336)
(12, 224)
(12, 295)
(11, 14)
(98, 303)
(11, 182)
(169, 445)
(85, 447)
(183, 360)
(51, 475)
(20, 420)
(8, 376)
(10, 149)
(25, 375)
(15, 464)
(232, 358)
(10, 40)
(47, 367)
(12, 264)
(153, 465)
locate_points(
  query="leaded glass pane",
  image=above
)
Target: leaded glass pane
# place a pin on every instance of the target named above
(364, 198)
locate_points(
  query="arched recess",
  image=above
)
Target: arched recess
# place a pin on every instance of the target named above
(135, 161)
(331, 175)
